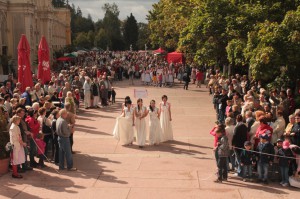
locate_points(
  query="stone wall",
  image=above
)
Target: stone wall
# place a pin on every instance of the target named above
(34, 18)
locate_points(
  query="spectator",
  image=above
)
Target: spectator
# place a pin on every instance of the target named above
(240, 135)
(17, 155)
(264, 147)
(295, 132)
(87, 93)
(63, 132)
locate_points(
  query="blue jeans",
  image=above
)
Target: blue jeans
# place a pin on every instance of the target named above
(232, 159)
(284, 174)
(247, 168)
(65, 150)
(262, 170)
(221, 116)
(237, 153)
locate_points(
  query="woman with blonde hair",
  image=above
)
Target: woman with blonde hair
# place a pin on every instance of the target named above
(70, 99)
(255, 125)
(18, 154)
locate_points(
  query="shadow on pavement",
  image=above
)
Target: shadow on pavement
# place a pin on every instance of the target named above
(266, 188)
(89, 131)
(93, 168)
(9, 192)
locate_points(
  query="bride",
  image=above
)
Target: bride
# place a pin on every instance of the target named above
(165, 119)
(124, 130)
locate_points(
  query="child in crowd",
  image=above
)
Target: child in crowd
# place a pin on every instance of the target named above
(275, 167)
(102, 96)
(154, 78)
(113, 95)
(247, 159)
(41, 145)
(284, 154)
(235, 110)
(77, 98)
(264, 147)
(228, 107)
(160, 79)
(223, 152)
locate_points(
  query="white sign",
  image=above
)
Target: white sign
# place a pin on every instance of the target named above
(140, 93)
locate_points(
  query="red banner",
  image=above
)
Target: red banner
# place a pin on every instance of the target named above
(24, 68)
(44, 72)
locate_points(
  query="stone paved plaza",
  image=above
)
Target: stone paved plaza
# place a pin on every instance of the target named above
(183, 168)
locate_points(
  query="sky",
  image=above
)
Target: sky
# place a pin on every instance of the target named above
(139, 8)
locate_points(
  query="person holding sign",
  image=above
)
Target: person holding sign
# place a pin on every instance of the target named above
(140, 113)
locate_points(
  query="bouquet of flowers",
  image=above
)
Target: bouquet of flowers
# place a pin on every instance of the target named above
(9, 147)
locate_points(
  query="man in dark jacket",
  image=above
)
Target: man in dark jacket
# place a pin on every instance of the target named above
(265, 158)
(240, 135)
(222, 105)
(27, 96)
(249, 120)
(186, 78)
(295, 132)
(95, 92)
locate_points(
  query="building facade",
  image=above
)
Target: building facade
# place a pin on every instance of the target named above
(34, 18)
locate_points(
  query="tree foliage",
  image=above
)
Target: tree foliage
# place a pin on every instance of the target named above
(131, 32)
(260, 34)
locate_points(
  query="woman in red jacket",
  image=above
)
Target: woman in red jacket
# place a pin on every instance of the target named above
(263, 129)
(34, 126)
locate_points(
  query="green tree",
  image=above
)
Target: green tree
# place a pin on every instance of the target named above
(131, 32)
(82, 40)
(166, 21)
(102, 39)
(59, 3)
(273, 48)
(112, 26)
(143, 38)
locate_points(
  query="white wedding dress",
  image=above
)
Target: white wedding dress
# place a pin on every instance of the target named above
(124, 131)
(155, 133)
(165, 123)
(140, 126)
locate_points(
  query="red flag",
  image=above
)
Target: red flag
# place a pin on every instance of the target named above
(44, 65)
(24, 69)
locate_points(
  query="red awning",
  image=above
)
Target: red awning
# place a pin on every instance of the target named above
(159, 51)
(64, 59)
(175, 57)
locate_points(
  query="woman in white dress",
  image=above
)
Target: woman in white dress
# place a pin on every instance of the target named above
(165, 119)
(155, 134)
(124, 127)
(140, 113)
(18, 154)
(171, 78)
(147, 78)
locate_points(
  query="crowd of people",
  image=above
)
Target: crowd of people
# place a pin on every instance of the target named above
(41, 119)
(256, 130)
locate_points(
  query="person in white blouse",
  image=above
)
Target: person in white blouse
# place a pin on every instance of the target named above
(18, 154)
